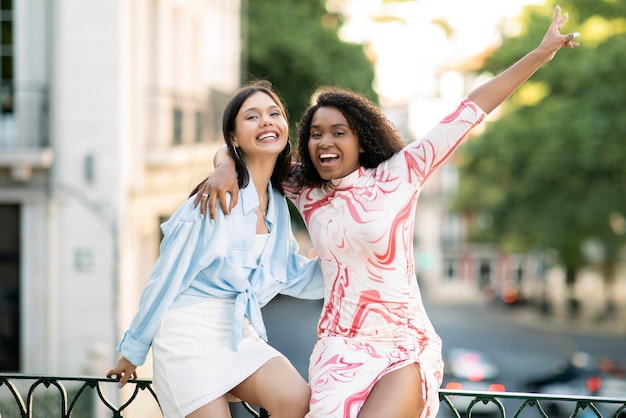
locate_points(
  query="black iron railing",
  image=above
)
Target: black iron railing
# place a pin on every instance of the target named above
(26, 396)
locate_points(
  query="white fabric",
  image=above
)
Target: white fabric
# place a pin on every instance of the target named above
(259, 243)
(193, 360)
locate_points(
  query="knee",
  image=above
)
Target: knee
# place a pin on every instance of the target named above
(294, 401)
(299, 398)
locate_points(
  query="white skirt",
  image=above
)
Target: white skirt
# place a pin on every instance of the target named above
(193, 360)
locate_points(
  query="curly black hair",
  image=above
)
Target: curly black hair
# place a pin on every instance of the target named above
(376, 134)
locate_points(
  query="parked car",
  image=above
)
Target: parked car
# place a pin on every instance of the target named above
(475, 371)
(584, 377)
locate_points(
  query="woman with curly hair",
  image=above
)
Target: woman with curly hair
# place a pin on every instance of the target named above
(357, 186)
(378, 138)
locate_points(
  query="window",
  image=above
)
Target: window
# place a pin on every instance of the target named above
(6, 56)
(484, 274)
(198, 127)
(177, 125)
(450, 271)
(217, 103)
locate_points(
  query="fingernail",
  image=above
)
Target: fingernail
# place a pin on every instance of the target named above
(226, 216)
(119, 385)
(212, 221)
(576, 34)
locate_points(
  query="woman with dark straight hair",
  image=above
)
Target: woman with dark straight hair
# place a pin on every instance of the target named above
(201, 309)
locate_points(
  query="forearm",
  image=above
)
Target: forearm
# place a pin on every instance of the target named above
(495, 91)
(223, 157)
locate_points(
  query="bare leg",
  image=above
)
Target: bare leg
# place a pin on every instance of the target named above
(214, 409)
(397, 394)
(277, 387)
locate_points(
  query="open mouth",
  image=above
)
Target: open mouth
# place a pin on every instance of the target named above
(267, 137)
(327, 159)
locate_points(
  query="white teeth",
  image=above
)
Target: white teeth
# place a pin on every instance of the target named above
(267, 136)
(328, 156)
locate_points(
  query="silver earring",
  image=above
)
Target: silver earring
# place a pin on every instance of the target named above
(288, 146)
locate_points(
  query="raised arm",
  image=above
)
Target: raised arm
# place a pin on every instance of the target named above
(491, 94)
(222, 181)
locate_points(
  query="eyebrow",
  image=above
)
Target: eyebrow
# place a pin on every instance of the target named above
(251, 109)
(336, 125)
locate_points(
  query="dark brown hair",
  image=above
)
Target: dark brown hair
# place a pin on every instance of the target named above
(229, 118)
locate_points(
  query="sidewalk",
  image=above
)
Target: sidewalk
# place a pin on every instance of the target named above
(531, 316)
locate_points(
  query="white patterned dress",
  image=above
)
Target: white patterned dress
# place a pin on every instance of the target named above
(373, 320)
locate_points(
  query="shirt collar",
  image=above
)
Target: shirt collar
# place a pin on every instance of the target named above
(250, 200)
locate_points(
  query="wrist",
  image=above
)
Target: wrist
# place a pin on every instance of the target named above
(540, 55)
(222, 157)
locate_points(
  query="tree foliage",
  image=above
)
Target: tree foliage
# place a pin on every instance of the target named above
(295, 44)
(549, 172)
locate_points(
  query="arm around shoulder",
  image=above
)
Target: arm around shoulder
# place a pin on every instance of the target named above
(222, 181)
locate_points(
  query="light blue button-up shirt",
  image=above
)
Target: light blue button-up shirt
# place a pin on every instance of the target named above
(200, 260)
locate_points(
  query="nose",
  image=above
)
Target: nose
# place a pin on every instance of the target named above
(266, 120)
(325, 141)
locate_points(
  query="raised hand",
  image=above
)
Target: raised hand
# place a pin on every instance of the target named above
(495, 91)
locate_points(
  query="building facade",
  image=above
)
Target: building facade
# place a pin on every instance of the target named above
(110, 114)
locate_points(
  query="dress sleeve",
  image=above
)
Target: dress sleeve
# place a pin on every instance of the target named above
(173, 271)
(419, 159)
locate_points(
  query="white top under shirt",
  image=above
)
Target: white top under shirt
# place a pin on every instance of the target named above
(259, 244)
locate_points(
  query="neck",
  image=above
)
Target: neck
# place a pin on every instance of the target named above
(261, 170)
(261, 174)
(261, 184)
(263, 199)
(264, 203)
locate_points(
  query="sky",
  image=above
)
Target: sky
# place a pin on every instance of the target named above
(409, 53)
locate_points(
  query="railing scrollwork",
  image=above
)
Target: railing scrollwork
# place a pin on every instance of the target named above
(79, 397)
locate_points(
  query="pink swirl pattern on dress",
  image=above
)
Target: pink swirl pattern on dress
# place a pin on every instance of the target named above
(373, 320)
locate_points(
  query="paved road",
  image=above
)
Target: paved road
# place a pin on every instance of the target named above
(522, 343)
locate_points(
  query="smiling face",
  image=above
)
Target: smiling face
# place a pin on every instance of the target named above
(261, 128)
(333, 146)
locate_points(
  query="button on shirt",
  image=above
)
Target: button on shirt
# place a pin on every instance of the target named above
(199, 259)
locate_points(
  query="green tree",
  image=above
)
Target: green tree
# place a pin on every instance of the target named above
(295, 44)
(549, 172)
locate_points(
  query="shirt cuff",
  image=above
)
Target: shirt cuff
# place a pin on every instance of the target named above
(133, 350)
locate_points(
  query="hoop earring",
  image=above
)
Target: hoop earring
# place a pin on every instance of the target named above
(288, 146)
(237, 153)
